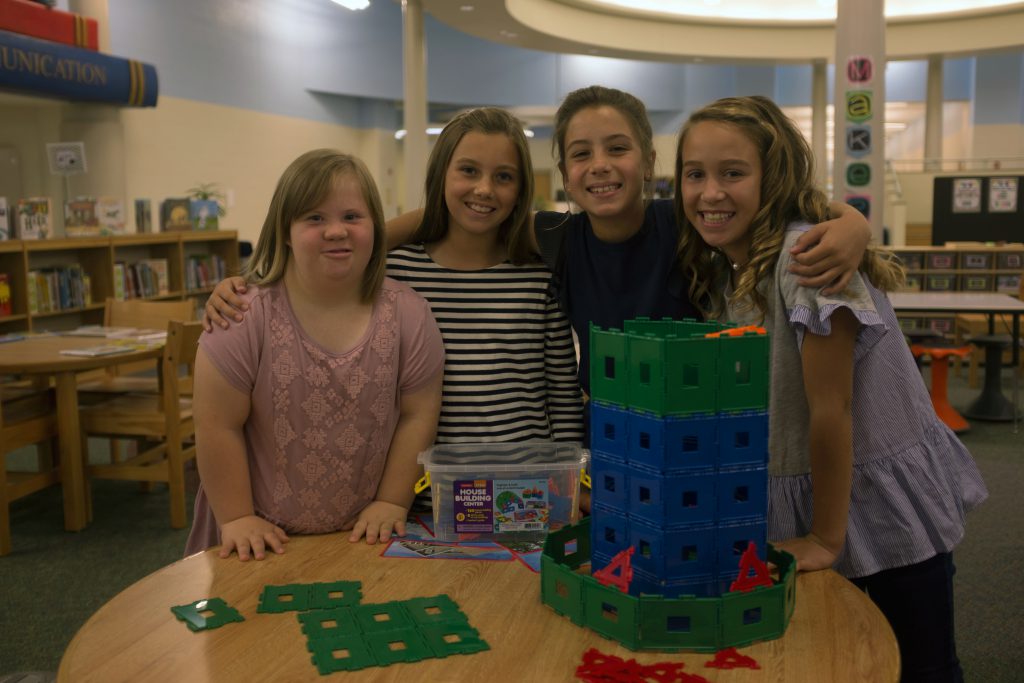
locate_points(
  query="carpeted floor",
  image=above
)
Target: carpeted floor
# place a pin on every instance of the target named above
(53, 581)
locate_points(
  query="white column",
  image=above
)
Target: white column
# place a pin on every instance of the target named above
(933, 115)
(859, 171)
(819, 121)
(415, 93)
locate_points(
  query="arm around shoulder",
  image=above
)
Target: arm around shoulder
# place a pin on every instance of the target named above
(830, 253)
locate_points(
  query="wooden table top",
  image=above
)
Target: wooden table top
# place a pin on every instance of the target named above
(836, 633)
(42, 354)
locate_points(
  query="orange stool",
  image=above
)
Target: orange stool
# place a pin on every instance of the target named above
(940, 369)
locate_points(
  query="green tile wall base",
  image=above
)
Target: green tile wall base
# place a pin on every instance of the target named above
(329, 623)
(652, 622)
(353, 651)
(192, 614)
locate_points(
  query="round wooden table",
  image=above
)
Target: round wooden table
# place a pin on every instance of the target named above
(41, 355)
(836, 633)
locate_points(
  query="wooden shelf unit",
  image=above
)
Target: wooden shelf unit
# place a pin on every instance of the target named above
(97, 256)
(958, 267)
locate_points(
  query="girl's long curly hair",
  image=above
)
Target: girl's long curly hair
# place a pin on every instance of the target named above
(788, 193)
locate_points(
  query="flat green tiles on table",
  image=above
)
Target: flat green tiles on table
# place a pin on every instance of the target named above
(385, 616)
(206, 614)
(299, 597)
(335, 594)
(439, 608)
(329, 623)
(454, 638)
(341, 653)
(403, 645)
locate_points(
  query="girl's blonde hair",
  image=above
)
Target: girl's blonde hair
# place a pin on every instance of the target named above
(788, 194)
(304, 185)
(514, 230)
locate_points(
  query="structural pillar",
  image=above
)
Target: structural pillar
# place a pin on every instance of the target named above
(933, 115)
(819, 121)
(859, 171)
(415, 110)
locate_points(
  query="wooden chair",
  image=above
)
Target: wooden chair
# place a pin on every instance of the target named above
(162, 421)
(141, 314)
(26, 418)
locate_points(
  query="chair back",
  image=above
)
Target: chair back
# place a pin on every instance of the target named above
(180, 350)
(143, 314)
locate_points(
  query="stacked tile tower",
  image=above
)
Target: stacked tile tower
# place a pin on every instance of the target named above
(679, 451)
(679, 442)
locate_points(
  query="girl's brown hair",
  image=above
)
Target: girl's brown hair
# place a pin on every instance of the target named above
(514, 230)
(591, 97)
(302, 187)
(788, 194)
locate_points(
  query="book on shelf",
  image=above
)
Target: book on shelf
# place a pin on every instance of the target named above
(80, 217)
(35, 218)
(174, 214)
(110, 212)
(119, 290)
(5, 220)
(157, 275)
(203, 271)
(5, 295)
(58, 289)
(72, 73)
(143, 216)
(46, 23)
(205, 214)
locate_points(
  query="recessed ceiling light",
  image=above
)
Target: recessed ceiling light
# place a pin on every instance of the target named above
(353, 4)
(467, 8)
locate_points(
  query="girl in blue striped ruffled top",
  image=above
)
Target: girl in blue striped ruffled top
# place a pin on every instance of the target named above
(864, 477)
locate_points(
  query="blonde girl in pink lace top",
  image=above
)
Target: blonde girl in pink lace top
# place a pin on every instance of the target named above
(310, 413)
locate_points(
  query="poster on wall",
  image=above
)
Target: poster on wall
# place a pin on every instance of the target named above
(1002, 195)
(967, 195)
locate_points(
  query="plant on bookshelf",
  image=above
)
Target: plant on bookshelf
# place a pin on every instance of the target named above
(209, 191)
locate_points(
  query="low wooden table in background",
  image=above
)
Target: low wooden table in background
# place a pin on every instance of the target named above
(836, 633)
(41, 355)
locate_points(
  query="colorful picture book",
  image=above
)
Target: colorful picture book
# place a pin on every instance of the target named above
(35, 218)
(80, 219)
(205, 214)
(143, 216)
(110, 212)
(5, 294)
(5, 220)
(175, 214)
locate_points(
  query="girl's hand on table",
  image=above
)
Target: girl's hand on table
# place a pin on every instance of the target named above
(810, 552)
(250, 536)
(378, 521)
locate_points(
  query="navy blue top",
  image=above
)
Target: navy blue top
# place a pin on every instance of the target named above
(608, 283)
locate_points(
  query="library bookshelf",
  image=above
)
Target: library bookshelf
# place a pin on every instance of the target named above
(959, 267)
(61, 284)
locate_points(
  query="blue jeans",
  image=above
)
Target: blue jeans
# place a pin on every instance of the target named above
(918, 602)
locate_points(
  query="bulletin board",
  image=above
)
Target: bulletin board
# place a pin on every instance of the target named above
(976, 208)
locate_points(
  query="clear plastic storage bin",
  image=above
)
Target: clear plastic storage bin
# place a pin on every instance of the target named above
(502, 491)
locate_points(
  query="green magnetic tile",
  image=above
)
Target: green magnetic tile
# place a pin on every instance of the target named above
(432, 610)
(396, 617)
(272, 600)
(320, 594)
(358, 654)
(314, 623)
(453, 639)
(414, 647)
(192, 614)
